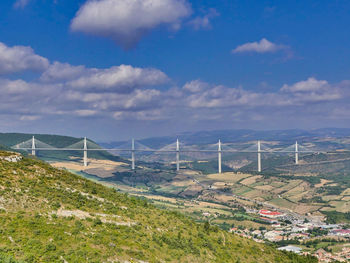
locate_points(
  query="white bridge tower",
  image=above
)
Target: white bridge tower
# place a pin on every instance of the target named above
(177, 155)
(259, 157)
(33, 146)
(85, 153)
(132, 154)
(219, 157)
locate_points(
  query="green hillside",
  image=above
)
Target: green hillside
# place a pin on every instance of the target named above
(50, 215)
(57, 141)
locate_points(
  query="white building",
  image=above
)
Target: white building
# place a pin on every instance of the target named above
(290, 248)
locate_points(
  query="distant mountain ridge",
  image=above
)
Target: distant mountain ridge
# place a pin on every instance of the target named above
(240, 135)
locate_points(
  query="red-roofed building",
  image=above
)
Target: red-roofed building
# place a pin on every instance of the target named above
(270, 214)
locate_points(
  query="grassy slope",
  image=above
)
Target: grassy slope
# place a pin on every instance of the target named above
(33, 196)
(11, 139)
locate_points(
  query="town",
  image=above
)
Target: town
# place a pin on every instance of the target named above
(294, 233)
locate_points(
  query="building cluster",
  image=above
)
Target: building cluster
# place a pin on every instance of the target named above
(325, 257)
(341, 232)
(297, 229)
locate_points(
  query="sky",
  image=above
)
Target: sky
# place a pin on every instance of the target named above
(115, 69)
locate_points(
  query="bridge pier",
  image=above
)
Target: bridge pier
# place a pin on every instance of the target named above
(33, 146)
(132, 154)
(219, 157)
(296, 153)
(85, 153)
(259, 157)
(177, 155)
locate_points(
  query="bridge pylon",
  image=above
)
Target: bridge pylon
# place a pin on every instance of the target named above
(85, 153)
(33, 146)
(133, 154)
(219, 157)
(259, 157)
(177, 155)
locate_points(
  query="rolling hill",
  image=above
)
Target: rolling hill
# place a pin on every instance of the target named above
(57, 141)
(51, 215)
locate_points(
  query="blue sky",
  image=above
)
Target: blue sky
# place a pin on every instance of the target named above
(111, 69)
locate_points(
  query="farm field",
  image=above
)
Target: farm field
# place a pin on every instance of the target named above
(301, 193)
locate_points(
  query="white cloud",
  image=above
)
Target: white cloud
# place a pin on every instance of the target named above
(204, 21)
(119, 79)
(85, 113)
(123, 78)
(21, 3)
(263, 46)
(64, 91)
(313, 90)
(127, 21)
(151, 115)
(196, 100)
(14, 86)
(311, 84)
(223, 97)
(200, 95)
(62, 72)
(20, 58)
(29, 118)
(138, 100)
(196, 86)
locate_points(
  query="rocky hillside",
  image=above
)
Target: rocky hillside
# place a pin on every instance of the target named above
(50, 215)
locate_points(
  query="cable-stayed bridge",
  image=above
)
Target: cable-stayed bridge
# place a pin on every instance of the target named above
(178, 148)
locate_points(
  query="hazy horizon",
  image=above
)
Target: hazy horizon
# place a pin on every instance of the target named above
(179, 134)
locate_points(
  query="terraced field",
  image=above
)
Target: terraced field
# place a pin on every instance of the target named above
(294, 194)
(301, 192)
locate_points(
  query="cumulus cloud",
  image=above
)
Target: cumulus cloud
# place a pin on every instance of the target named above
(138, 100)
(262, 46)
(20, 58)
(25, 99)
(311, 84)
(85, 113)
(196, 86)
(146, 94)
(123, 78)
(14, 86)
(21, 3)
(196, 100)
(120, 79)
(127, 21)
(67, 90)
(41, 99)
(220, 96)
(204, 22)
(312, 90)
(29, 118)
(151, 115)
(198, 94)
(62, 72)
